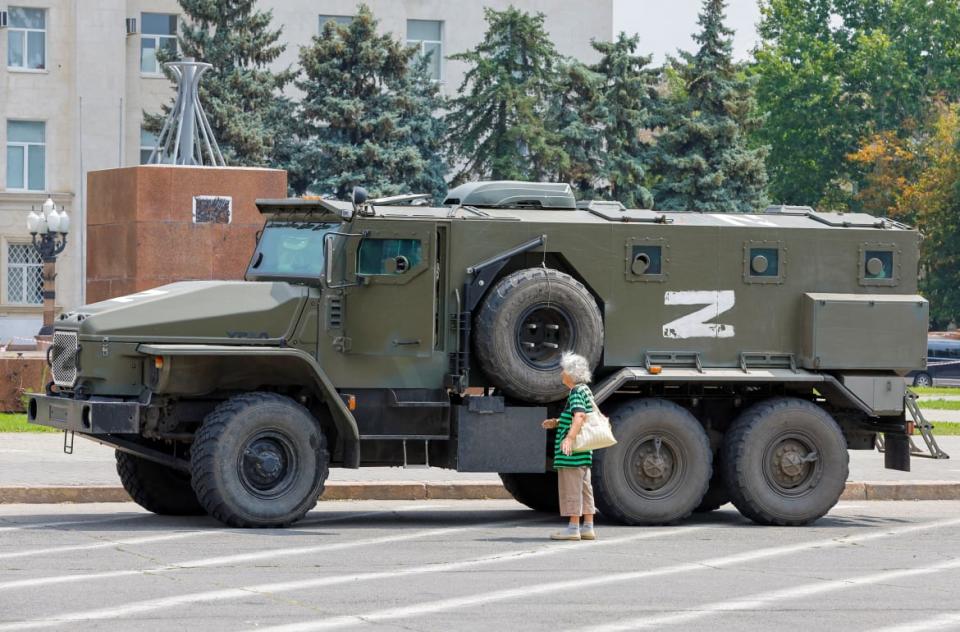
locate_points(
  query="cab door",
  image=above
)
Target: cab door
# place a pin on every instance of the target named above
(391, 313)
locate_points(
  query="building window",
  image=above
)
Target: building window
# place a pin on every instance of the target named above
(24, 275)
(427, 36)
(159, 33)
(339, 20)
(26, 155)
(26, 38)
(148, 140)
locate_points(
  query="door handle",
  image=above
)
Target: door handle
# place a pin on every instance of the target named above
(406, 343)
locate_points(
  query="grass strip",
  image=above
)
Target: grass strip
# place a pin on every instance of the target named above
(17, 422)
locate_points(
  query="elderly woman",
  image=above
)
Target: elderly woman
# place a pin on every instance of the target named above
(573, 468)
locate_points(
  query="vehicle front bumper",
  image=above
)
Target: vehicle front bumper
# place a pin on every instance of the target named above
(89, 416)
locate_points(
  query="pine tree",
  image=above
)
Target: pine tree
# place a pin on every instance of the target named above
(705, 161)
(630, 100)
(576, 114)
(368, 115)
(241, 97)
(498, 122)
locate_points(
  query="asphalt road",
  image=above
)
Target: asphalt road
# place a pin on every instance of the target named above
(477, 565)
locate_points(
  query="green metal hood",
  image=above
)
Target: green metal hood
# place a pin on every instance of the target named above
(194, 311)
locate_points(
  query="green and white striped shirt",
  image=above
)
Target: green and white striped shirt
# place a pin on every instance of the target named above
(580, 400)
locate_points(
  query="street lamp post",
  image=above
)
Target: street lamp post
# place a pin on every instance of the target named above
(49, 229)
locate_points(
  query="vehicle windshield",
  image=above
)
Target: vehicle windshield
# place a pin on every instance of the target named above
(291, 250)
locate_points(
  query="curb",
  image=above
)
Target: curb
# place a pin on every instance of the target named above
(399, 490)
(461, 490)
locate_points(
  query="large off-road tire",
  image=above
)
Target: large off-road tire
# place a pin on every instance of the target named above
(785, 462)
(638, 481)
(157, 488)
(536, 491)
(528, 319)
(717, 495)
(259, 460)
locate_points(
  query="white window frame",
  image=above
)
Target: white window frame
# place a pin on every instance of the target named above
(26, 157)
(20, 29)
(420, 44)
(7, 266)
(158, 72)
(144, 148)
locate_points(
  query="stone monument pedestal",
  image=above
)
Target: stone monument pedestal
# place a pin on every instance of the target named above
(157, 224)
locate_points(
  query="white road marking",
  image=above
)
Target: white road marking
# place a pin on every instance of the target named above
(44, 525)
(225, 560)
(110, 544)
(416, 610)
(949, 620)
(246, 592)
(766, 599)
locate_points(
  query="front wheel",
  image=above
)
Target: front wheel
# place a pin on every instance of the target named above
(785, 462)
(157, 488)
(922, 379)
(259, 460)
(659, 470)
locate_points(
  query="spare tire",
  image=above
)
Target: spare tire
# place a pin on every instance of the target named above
(527, 320)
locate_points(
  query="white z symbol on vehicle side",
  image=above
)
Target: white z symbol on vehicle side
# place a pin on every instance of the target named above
(695, 325)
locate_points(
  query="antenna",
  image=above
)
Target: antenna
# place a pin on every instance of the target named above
(186, 137)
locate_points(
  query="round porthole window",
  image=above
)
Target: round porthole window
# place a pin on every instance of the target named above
(641, 263)
(759, 264)
(874, 267)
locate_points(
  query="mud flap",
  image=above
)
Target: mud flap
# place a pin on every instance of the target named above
(896, 453)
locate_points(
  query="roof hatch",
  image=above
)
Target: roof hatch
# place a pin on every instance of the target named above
(513, 194)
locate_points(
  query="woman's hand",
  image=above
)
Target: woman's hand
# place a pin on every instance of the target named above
(549, 424)
(567, 446)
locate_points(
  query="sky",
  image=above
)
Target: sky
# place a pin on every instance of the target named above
(666, 25)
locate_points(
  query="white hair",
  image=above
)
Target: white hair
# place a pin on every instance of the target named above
(577, 367)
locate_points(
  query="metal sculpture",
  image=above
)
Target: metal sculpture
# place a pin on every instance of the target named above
(186, 137)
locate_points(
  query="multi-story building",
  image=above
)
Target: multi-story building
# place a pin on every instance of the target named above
(77, 75)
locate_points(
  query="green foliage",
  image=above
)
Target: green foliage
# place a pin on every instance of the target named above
(833, 72)
(576, 113)
(241, 97)
(706, 162)
(629, 102)
(17, 422)
(368, 115)
(498, 123)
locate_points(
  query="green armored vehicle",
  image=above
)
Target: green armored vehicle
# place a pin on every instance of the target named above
(739, 357)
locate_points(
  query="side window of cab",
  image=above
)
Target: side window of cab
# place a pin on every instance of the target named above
(388, 257)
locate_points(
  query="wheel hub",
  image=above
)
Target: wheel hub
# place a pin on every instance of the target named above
(545, 332)
(654, 464)
(791, 463)
(264, 463)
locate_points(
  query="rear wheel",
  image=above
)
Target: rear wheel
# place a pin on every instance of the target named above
(717, 495)
(259, 460)
(660, 468)
(157, 488)
(785, 462)
(536, 491)
(922, 379)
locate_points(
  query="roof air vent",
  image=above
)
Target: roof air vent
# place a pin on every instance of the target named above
(511, 194)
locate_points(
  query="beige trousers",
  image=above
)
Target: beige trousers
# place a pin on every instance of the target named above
(576, 491)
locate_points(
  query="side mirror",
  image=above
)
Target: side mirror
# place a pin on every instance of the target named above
(359, 198)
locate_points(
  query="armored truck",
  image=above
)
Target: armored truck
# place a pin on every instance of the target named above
(738, 356)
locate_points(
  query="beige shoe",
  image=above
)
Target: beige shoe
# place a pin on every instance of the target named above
(566, 534)
(588, 534)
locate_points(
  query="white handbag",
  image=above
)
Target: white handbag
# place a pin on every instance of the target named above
(595, 433)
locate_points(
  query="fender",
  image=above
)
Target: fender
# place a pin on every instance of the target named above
(342, 417)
